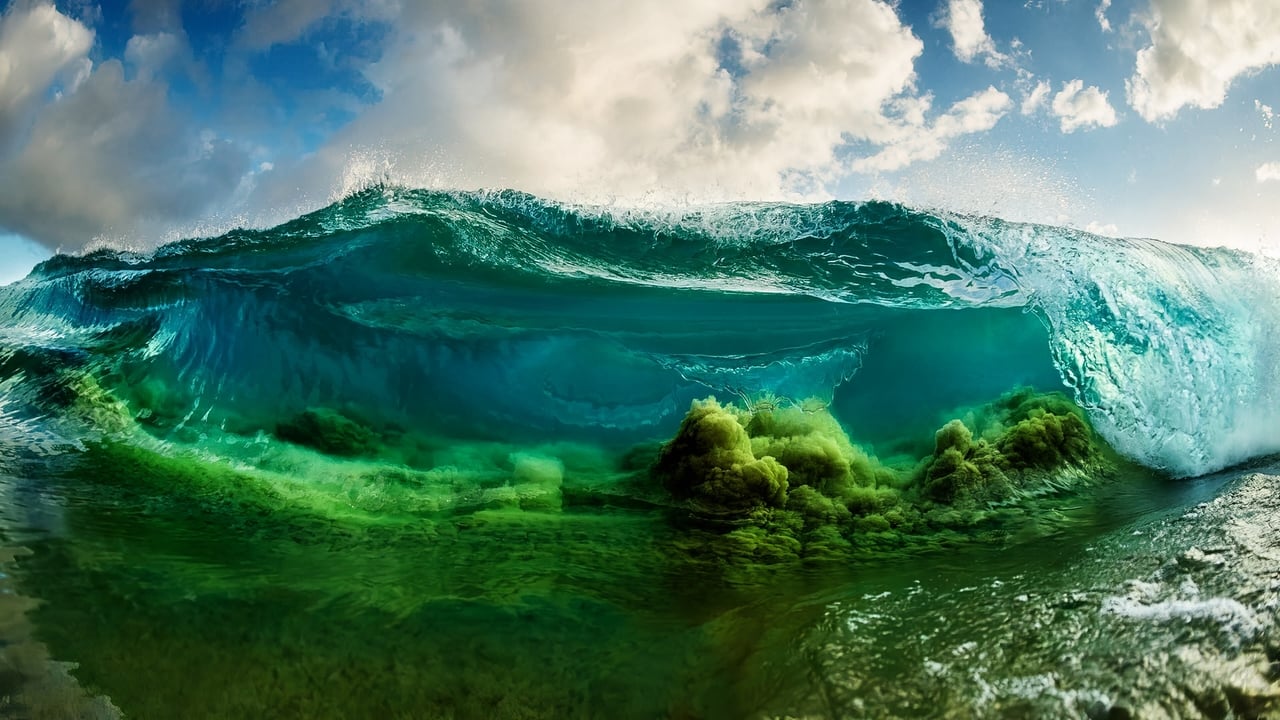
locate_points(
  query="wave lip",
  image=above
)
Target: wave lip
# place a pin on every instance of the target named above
(1174, 350)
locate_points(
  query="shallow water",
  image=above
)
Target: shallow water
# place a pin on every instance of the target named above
(195, 608)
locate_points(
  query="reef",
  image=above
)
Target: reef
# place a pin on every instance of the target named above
(786, 481)
(711, 462)
(752, 484)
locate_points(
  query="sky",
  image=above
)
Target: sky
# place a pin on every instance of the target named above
(129, 123)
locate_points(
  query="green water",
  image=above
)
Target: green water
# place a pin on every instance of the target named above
(188, 593)
(328, 568)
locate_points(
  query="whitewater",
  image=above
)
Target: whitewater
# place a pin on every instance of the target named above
(487, 455)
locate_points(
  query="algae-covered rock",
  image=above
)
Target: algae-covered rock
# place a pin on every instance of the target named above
(789, 475)
(1043, 431)
(816, 508)
(811, 461)
(1018, 405)
(330, 432)
(867, 500)
(825, 544)
(760, 545)
(963, 469)
(1025, 431)
(731, 460)
(710, 462)
(955, 435)
(1045, 441)
(813, 447)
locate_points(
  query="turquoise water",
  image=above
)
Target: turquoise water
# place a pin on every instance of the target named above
(450, 455)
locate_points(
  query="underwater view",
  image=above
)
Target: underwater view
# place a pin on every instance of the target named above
(482, 455)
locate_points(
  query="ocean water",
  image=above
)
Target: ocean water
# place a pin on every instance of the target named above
(425, 454)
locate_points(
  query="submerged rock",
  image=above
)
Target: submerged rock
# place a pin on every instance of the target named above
(711, 462)
(793, 471)
(1027, 437)
(330, 432)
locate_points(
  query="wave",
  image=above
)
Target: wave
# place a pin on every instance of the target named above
(500, 314)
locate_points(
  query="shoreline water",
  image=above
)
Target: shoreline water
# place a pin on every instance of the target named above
(1191, 588)
(34, 686)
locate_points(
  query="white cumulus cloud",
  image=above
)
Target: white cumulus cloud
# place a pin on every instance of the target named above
(963, 19)
(105, 155)
(627, 100)
(1100, 12)
(1197, 49)
(1034, 99)
(1267, 172)
(577, 99)
(1101, 228)
(151, 54)
(1079, 107)
(917, 140)
(38, 47)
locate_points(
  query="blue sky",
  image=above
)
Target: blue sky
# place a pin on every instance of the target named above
(133, 122)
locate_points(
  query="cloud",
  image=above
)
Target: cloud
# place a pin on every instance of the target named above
(286, 21)
(1198, 48)
(152, 54)
(581, 100)
(106, 155)
(963, 19)
(918, 141)
(39, 47)
(1079, 107)
(154, 16)
(281, 21)
(1100, 228)
(1101, 13)
(1267, 172)
(721, 100)
(1034, 99)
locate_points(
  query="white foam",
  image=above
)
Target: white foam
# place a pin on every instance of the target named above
(1229, 614)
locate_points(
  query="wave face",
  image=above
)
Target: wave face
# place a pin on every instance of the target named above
(502, 315)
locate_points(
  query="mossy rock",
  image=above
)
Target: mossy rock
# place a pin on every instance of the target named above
(1045, 441)
(776, 475)
(1026, 402)
(811, 460)
(759, 544)
(1028, 434)
(329, 432)
(816, 508)
(963, 470)
(711, 463)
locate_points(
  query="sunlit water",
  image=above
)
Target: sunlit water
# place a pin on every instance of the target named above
(1134, 600)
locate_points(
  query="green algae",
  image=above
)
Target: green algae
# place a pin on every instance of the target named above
(305, 611)
(792, 477)
(711, 462)
(789, 468)
(492, 579)
(330, 432)
(786, 470)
